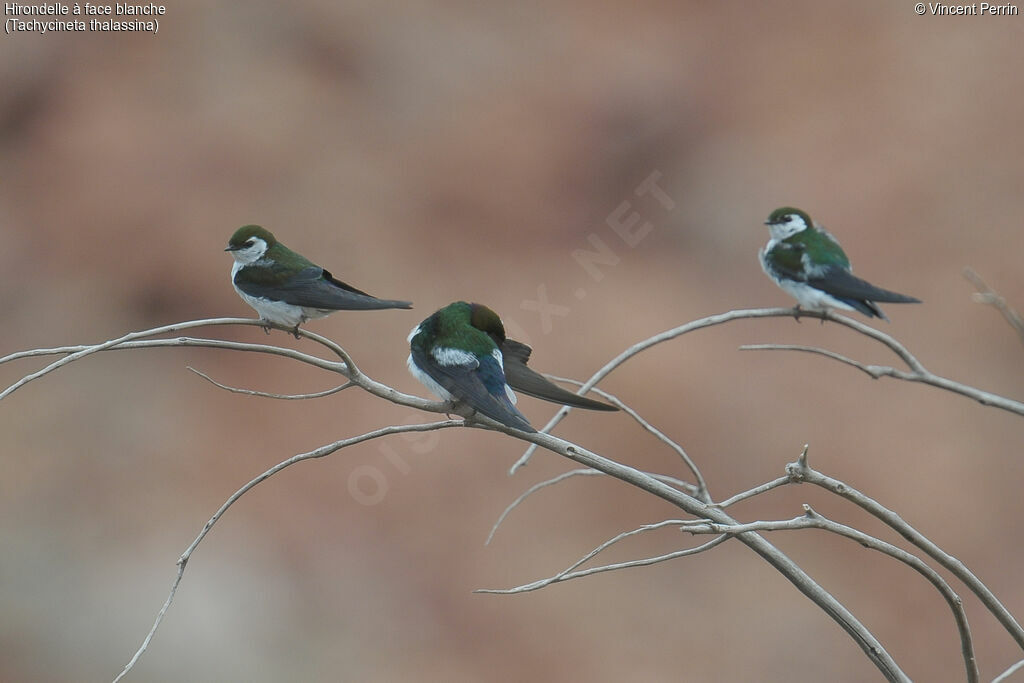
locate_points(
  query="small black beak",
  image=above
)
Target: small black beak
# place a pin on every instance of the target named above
(230, 248)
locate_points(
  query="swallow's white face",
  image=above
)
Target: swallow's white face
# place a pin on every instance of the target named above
(251, 251)
(789, 225)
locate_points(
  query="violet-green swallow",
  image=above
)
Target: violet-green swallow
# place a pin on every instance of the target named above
(808, 263)
(461, 353)
(287, 289)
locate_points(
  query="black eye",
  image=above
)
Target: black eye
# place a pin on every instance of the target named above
(249, 243)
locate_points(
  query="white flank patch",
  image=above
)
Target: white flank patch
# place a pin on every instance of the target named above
(275, 311)
(811, 298)
(448, 356)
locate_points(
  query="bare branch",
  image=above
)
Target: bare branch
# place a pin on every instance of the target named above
(672, 481)
(988, 296)
(873, 371)
(917, 373)
(756, 491)
(264, 394)
(533, 489)
(922, 376)
(800, 471)
(83, 351)
(678, 494)
(813, 520)
(776, 558)
(568, 575)
(134, 340)
(701, 490)
(1005, 676)
(711, 321)
(317, 453)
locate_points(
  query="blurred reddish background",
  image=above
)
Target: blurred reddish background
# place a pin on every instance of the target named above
(442, 151)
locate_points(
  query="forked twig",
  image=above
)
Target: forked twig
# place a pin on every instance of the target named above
(813, 520)
(568, 574)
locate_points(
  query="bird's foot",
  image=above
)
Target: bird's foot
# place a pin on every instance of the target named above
(796, 312)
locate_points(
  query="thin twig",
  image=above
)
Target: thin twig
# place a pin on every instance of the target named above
(569, 576)
(317, 453)
(756, 491)
(917, 373)
(813, 520)
(873, 371)
(990, 297)
(671, 481)
(533, 489)
(1005, 676)
(701, 490)
(264, 394)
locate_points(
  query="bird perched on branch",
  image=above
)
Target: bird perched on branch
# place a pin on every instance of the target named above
(808, 263)
(286, 288)
(461, 353)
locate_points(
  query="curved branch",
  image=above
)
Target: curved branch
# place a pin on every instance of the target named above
(701, 490)
(990, 297)
(533, 489)
(76, 353)
(1005, 676)
(135, 340)
(775, 557)
(692, 505)
(800, 471)
(813, 520)
(672, 481)
(872, 371)
(317, 453)
(665, 336)
(922, 376)
(265, 394)
(918, 373)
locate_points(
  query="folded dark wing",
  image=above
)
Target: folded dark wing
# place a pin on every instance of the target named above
(521, 378)
(466, 382)
(843, 284)
(311, 287)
